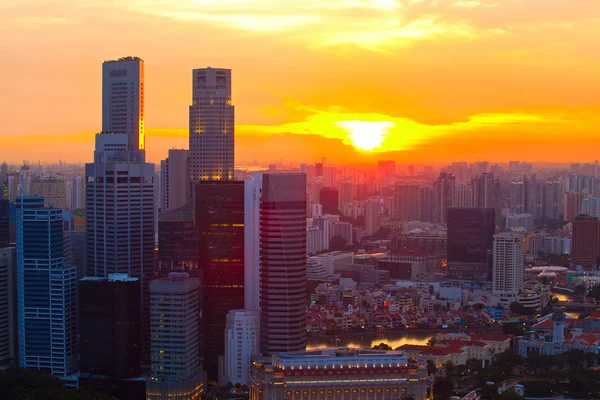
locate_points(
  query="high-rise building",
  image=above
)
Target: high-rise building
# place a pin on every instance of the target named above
(242, 341)
(176, 191)
(24, 181)
(211, 126)
(220, 222)
(386, 168)
(463, 195)
(517, 197)
(319, 170)
(252, 241)
(509, 266)
(176, 373)
(590, 206)
(426, 204)
(582, 183)
(371, 216)
(47, 284)
(553, 200)
(8, 307)
(110, 336)
(78, 193)
(123, 100)
(534, 197)
(443, 195)
(178, 242)
(53, 190)
(406, 202)
(329, 199)
(283, 263)
(470, 241)
(345, 194)
(486, 191)
(573, 204)
(586, 240)
(4, 223)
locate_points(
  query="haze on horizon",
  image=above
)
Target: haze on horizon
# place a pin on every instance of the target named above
(350, 80)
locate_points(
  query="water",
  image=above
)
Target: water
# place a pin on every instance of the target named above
(368, 340)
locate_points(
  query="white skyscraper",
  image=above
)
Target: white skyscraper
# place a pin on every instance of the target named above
(211, 126)
(252, 199)
(242, 340)
(509, 265)
(123, 99)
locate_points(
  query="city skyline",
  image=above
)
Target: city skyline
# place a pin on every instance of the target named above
(414, 80)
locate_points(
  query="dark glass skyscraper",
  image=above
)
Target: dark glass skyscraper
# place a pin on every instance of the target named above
(329, 198)
(470, 241)
(283, 263)
(220, 222)
(4, 223)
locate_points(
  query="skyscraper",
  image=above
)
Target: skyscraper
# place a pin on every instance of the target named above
(443, 196)
(4, 223)
(586, 240)
(47, 300)
(211, 126)
(175, 327)
(176, 191)
(371, 216)
(517, 197)
(534, 197)
(242, 340)
(178, 241)
(8, 307)
(406, 202)
(572, 205)
(123, 99)
(470, 238)
(509, 266)
(283, 263)
(220, 223)
(329, 198)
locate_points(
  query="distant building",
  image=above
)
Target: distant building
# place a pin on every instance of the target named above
(329, 199)
(573, 202)
(509, 267)
(557, 245)
(8, 307)
(242, 341)
(176, 373)
(371, 217)
(591, 206)
(515, 221)
(174, 180)
(586, 240)
(386, 167)
(443, 196)
(470, 240)
(4, 223)
(534, 197)
(339, 373)
(406, 202)
(53, 190)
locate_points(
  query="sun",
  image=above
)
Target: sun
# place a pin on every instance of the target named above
(366, 135)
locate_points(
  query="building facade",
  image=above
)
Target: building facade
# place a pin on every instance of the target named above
(509, 266)
(242, 341)
(586, 240)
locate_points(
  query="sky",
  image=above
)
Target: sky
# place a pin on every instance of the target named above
(420, 81)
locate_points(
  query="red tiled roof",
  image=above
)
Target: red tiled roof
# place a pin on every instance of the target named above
(594, 315)
(545, 324)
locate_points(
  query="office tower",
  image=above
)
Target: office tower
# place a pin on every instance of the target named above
(24, 181)
(252, 241)
(553, 200)
(4, 223)
(573, 202)
(534, 197)
(47, 299)
(283, 263)
(517, 197)
(329, 199)
(211, 126)
(242, 340)
(52, 190)
(123, 100)
(110, 336)
(463, 195)
(178, 241)
(509, 265)
(8, 305)
(426, 206)
(386, 168)
(586, 240)
(371, 217)
(443, 195)
(470, 238)
(220, 222)
(120, 216)
(406, 202)
(176, 190)
(176, 373)
(78, 193)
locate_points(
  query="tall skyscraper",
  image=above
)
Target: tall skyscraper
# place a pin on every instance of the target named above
(534, 197)
(175, 367)
(426, 203)
(4, 223)
(123, 100)
(406, 202)
(176, 191)
(283, 263)
(220, 223)
(586, 240)
(371, 216)
(252, 248)
(8, 307)
(211, 126)
(47, 284)
(329, 199)
(178, 241)
(78, 193)
(443, 196)
(242, 340)
(470, 241)
(553, 200)
(509, 266)
(517, 197)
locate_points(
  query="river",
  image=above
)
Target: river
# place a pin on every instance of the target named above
(368, 340)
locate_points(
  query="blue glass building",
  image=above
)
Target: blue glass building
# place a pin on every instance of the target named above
(47, 290)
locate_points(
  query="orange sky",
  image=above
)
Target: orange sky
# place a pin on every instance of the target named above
(422, 80)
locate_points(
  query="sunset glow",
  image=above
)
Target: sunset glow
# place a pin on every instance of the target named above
(366, 135)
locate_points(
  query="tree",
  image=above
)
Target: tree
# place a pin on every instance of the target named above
(432, 341)
(520, 309)
(338, 243)
(431, 368)
(442, 388)
(383, 346)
